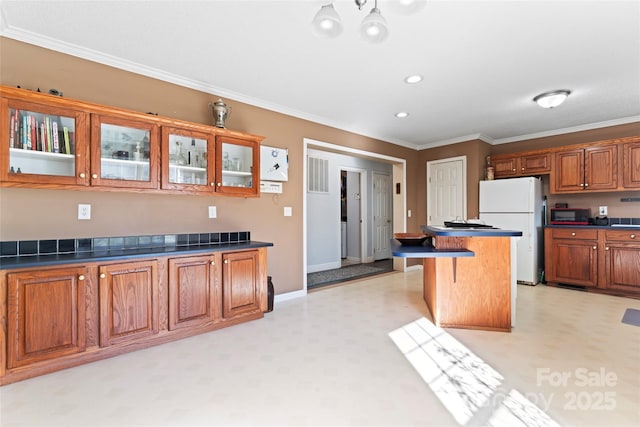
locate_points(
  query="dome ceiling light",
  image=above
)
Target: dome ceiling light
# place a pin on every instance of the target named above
(552, 99)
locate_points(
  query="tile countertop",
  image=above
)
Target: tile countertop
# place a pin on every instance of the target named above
(7, 263)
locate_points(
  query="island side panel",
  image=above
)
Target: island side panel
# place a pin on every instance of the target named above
(430, 286)
(480, 297)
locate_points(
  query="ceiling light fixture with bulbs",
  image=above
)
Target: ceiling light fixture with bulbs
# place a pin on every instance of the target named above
(373, 28)
(552, 99)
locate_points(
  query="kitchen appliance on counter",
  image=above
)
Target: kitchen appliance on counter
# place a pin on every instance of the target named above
(516, 204)
(569, 216)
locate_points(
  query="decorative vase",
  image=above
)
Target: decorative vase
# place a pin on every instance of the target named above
(220, 112)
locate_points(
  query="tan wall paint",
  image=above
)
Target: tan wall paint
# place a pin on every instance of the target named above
(41, 214)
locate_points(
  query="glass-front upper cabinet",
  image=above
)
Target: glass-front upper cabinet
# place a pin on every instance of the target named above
(188, 160)
(238, 166)
(124, 152)
(47, 144)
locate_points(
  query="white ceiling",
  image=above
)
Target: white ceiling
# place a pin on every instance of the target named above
(482, 61)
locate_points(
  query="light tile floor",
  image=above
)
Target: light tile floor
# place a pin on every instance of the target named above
(327, 359)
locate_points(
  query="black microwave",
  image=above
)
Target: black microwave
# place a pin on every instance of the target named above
(569, 216)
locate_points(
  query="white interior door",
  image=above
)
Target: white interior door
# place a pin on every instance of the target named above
(381, 216)
(446, 190)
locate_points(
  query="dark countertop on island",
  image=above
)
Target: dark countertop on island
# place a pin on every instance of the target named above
(436, 230)
(13, 262)
(598, 227)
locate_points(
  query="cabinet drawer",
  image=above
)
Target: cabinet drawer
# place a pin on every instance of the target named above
(577, 233)
(632, 236)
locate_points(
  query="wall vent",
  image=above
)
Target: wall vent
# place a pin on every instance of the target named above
(318, 175)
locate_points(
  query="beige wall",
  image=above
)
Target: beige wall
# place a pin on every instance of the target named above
(39, 214)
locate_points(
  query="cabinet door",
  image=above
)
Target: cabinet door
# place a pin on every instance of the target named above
(188, 160)
(623, 266)
(505, 167)
(46, 315)
(535, 164)
(237, 166)
(601, 167)
(573, 262)
(124, 153)
(631, 165)
(128, 301)
(45, 144)
(240, 283)
(191, 291)
(568, 172)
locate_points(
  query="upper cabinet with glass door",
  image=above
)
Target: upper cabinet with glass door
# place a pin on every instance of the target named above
(124, 152)
(238, 165)
(188, 160)
(47, 143)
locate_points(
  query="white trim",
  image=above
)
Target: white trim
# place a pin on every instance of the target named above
(323, 267)
(289, 295)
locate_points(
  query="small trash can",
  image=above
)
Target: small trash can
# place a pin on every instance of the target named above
(270, 295)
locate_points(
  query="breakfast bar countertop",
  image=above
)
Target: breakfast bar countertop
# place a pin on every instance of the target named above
(437, 230)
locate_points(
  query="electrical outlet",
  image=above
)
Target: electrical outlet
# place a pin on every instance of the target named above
(213, 212)
(602, 211)
(84, 211)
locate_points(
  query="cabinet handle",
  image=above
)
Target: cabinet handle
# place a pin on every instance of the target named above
(633, 236)
(513, 170)
(82, 175)
(581, 185)
(226, 261)
(213, 184)
(595, 247)
(586, 185)
(102, 275)
(606, 248)
(94, 176)
(219, 184)
(213, 263)
(573, 234)
(81, 277)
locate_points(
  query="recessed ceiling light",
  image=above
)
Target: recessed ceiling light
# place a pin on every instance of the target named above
(416, 78)
(402, 114)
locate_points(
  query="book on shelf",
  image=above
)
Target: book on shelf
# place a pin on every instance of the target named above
(67, 148)
(54, 134)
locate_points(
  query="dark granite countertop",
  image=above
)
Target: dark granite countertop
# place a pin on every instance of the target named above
(601, 227)
(468, 232)
(7, 263)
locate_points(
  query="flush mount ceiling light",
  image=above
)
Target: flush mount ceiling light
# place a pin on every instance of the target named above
(402, 114)
(416, 78)
(552, 99)
(374, 29)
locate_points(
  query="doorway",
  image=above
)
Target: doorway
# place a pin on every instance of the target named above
(351, 232)
(446, 190)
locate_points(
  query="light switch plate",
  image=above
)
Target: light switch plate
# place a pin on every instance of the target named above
(287, 211)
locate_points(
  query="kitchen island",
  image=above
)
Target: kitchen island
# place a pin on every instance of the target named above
(468, 281)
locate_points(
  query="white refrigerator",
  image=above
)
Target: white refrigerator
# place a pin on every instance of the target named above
(516, 204)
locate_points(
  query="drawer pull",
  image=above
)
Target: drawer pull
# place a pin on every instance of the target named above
(82, 175)
(573, 234)
(606, 248)
(513, 170)
(633, 236)
(94, 176)
(81, 277)
(522, 169)
(213, 263)
(595, 247)
(219, 184)
(586, 185)
(213, 184)
(102, 275)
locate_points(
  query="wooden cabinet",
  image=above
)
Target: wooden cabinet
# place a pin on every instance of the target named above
(193, 293)
(55, 318)
(523, 164)
(594, 168)
(46, 315)
(631, 164)
(44, 141)
(51, 142)
(128, 301)
(622, 260)
(603, 259)
(125, 152)
(571, 256)
(240, 283)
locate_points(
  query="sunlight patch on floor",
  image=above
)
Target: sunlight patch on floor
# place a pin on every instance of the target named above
(466, 385)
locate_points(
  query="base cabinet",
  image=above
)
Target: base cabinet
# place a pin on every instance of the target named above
(599, 259)
(128, 301)
(56, 318)
(46, 315)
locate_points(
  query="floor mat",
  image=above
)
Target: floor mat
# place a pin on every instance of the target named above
(631, 317)
(327, 277)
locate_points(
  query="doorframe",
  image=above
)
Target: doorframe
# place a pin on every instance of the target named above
(464, 182)
(363, 208)
(399, 201)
